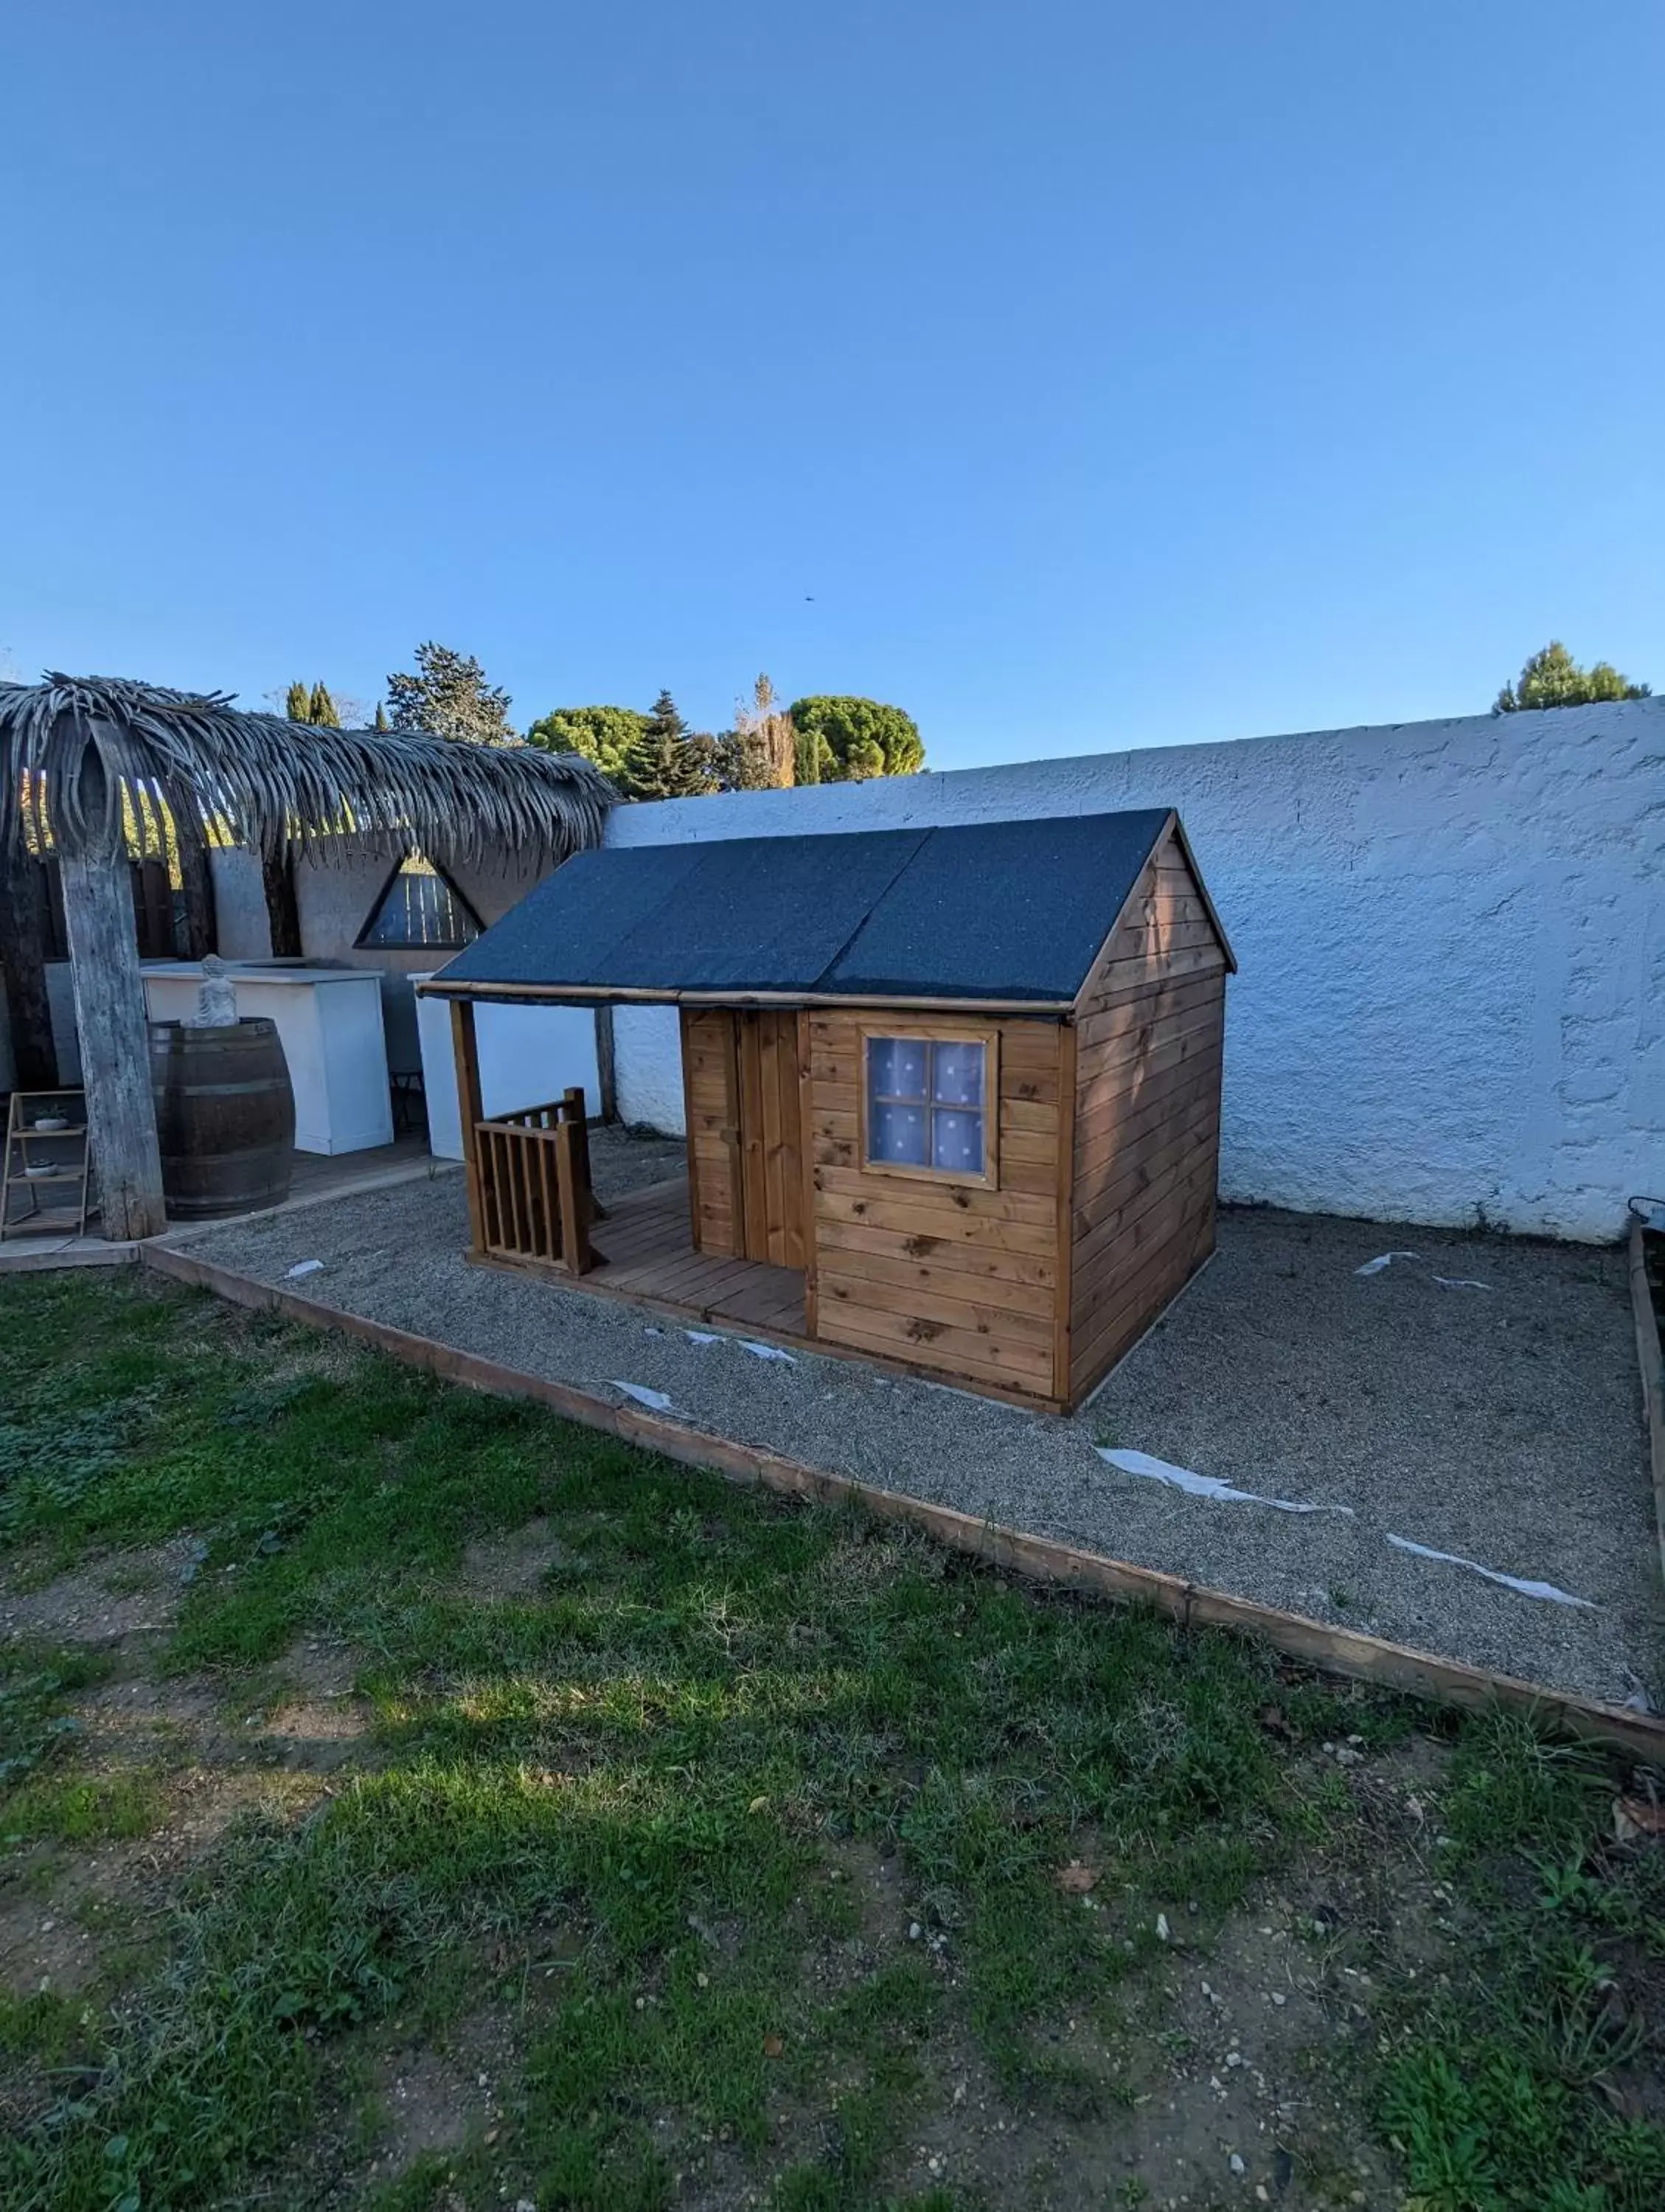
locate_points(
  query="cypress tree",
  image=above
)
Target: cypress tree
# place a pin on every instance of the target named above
(382, 715)
(807, 756)
(299, 705)
(322, 709)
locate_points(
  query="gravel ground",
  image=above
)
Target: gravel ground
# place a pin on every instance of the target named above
(1500, 1422)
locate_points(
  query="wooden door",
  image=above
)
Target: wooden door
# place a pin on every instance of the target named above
(745, 1145)
(771, 1139)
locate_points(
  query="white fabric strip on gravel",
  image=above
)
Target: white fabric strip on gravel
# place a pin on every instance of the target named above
(1499, 1425)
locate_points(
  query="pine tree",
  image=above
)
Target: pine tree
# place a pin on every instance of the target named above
(665, 724)
(854, 739)
(603, 735)
(323, 715)
(668, 761)
(299, 705)
(449, 697)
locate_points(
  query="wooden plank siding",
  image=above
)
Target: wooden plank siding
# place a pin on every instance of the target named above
(955, 1279)
(1149, 1042)
(771, 1137)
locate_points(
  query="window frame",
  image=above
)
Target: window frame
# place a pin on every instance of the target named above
(363, 942)
(904, 1031)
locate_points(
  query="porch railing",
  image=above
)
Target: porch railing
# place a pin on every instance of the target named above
(536, 1202)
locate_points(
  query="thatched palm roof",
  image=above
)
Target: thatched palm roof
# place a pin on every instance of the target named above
(272, 781)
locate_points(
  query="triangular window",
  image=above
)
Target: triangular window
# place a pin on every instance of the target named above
(420, 910)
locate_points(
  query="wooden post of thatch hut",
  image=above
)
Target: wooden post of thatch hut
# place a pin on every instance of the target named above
(23, 895)
(109, 998)
(81, 757)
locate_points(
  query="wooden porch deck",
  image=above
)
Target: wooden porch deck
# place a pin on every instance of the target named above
(649, 1254)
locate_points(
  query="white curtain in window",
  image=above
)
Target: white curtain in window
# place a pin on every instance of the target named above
(926, 1104)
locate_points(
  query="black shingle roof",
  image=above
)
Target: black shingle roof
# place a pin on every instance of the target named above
(996, 910)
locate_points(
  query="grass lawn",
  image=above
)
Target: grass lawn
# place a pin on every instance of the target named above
(410, 1800)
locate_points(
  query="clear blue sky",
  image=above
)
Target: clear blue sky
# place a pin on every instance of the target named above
(1103, 374)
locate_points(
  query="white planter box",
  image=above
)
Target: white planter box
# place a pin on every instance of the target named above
(329, 1021)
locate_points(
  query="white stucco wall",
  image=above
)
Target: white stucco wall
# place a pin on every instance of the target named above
(1451, 937)
(647, 1065)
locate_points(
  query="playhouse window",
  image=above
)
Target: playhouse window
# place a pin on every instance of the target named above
(929, 1107)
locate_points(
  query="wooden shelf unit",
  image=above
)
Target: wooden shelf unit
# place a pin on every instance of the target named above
(29, 1147)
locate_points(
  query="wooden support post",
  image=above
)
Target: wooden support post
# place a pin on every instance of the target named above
(606, 1078)
(470, 1112)
(572, 1110)
(115, 1047)
(686, 1047)
(575, 1256)
(282, 910)
(201, 934)
(23, 893)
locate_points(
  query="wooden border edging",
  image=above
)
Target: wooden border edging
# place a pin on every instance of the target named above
(1337, 1650)
(1652, 1364)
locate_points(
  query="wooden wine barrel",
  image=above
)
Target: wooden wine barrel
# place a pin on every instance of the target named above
(225, 1117)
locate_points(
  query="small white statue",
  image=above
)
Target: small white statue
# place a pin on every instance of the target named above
(216, 997)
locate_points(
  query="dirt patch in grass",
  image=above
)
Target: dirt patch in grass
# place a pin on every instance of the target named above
(319, 1670)
(432, 2102)
(880, 1916)
(313, 1719)
(139, 1717)
(43, 1946)
(81, 1907)
(147, 1773)
(67, 1914)
(120, 1594)
(1225, 2065)
(514, 1564)
(440, 2094)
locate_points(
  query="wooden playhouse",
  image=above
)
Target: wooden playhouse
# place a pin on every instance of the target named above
(952, 1094)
